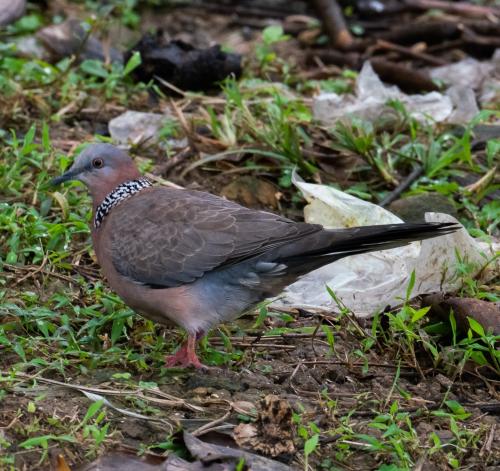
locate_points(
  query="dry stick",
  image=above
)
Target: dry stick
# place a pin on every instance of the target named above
(172, 162)
(262, 338)
(170, 400)
(459, 8)
(263, 345)
(432, 32)
(39, 269)
(211, 425)
(346, 363)
(470, 37)
(261, 11)
(162, 181)
(15, 268)
(407, 79)
(334, 23)
(381, 43)
(404, 185)
(486, 448)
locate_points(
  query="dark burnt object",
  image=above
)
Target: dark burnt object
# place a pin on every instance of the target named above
(182, 65)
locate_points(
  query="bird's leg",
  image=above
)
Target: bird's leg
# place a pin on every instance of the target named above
(186, 355)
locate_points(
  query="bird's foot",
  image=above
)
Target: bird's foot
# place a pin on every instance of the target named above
(185, 356)
(183, 360)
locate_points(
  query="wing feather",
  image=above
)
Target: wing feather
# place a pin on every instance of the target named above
(168, 237)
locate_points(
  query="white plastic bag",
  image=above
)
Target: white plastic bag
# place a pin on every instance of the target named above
(371, 96)
(367, 283)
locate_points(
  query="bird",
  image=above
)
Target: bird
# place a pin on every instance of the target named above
(194, 259)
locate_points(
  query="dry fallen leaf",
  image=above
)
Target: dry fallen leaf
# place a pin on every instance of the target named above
(251, 191)
(272, 433)
(61, 464)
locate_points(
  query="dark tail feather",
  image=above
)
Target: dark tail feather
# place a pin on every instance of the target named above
(358, 240)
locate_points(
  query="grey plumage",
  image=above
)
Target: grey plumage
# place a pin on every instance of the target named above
(196, 259)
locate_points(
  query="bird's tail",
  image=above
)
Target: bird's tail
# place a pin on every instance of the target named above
(345, 242)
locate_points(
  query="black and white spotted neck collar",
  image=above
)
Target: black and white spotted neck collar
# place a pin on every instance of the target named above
(120, 193)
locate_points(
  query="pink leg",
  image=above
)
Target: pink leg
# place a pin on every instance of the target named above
(186, 355)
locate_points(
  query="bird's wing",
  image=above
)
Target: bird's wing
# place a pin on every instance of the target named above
(166, 237)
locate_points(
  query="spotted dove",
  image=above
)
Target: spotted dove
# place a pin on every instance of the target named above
(196, 260)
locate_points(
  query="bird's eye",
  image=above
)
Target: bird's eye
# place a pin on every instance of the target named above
(97, 163)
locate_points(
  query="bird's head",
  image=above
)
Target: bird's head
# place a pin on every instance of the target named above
(102, 167)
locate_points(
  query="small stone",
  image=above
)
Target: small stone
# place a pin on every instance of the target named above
(133, 127)
(11, 10)
(446, 437)
(244, 407)
(443, 381)
(31, 48)
(413, 208)
(134, 429)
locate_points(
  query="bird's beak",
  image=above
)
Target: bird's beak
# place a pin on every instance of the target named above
(65, 177)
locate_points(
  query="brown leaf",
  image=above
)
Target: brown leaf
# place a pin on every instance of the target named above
(251, 192)
(215, 456)
(122, 461)
(272, 433)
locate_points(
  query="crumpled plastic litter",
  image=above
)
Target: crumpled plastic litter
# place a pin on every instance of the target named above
(481, 76)
(368, 283)
(468, 72)
(371, 96)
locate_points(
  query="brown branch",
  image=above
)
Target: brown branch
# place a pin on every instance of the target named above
(409, 80)
(431, 32)
(388, 46)
(458, 8)
(334, 23)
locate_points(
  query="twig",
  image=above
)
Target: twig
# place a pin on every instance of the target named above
(259, 11)
(486, 448)
(175, 160)
(33, 272)
(15, 268)
(264, 345)
(433, 32)
(383, 44)
(210, 426)
(409, 80)
(470, 37)
(459, 8)
(170, 401)
(169, 85)
(263, 339)
(162, 181)
(334, 23)
(350, 365)
(11, 423)
(403, 186)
